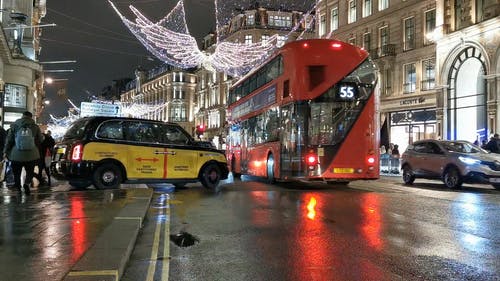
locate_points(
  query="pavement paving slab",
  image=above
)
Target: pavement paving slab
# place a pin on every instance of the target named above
(106, 259)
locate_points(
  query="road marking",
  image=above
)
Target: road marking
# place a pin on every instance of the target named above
(164, 214)
(154, 250)
(166, 245)
(130, 218)
(95, 273)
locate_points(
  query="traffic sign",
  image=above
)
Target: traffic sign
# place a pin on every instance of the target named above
(99, 109)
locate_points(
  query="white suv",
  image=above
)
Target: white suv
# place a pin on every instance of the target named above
(454, 162)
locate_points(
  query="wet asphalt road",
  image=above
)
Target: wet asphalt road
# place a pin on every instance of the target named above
(364, 231)
(250, 230)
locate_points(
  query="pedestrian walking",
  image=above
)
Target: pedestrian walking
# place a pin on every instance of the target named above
(395, 159)
(46, 147)
(21, 148)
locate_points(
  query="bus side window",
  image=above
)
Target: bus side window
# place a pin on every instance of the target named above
(286, 88)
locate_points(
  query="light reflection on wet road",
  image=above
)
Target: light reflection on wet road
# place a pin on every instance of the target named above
(254, 231)
(43, 234)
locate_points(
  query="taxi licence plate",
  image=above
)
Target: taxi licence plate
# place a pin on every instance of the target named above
(61, 150)
(343, 170)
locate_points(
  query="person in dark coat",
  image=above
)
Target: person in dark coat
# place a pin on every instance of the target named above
(45, 148)
(494, 144)
(26, 159)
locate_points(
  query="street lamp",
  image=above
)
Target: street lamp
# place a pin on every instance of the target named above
(50, 80)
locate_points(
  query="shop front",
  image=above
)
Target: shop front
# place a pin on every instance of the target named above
(409, 118)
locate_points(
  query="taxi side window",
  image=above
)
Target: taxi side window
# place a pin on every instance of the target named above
(110, 130)
(143, 132)
(172, 135)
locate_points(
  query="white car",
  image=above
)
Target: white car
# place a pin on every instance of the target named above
(454, 162)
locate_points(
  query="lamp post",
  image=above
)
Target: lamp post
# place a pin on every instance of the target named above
(2, 99)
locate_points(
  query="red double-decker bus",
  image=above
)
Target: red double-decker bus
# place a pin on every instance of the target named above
(309, 113)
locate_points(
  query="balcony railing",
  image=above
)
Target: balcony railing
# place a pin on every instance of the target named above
(383, 51)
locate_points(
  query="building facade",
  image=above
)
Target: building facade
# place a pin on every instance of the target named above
(468, 68)
(415, 45)
(165, 93)
(21, 76)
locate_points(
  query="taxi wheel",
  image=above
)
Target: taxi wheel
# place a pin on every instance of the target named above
(107, 176)
(210, 176)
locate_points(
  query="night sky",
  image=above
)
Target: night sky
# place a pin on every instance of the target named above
(91, 33)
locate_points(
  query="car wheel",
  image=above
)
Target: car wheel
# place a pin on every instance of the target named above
(210, 176)
(270, 169)
(452, 178)
(496, 186)
(80, 184)
(107, 176)
(408, 176)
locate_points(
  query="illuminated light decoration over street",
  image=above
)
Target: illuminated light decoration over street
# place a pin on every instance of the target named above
(169, 40)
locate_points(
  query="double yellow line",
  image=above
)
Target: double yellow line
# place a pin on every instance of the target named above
(164, 222)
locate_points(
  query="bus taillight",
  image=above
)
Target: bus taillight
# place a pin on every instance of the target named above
(370, 159)
(311, 160)
(305, 45)
(76, 153)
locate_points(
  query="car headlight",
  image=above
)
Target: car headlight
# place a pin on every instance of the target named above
(469, 161)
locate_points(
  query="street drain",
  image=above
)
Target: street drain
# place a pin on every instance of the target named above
(183, 239)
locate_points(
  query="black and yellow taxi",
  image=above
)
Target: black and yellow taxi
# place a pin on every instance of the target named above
(108, 151)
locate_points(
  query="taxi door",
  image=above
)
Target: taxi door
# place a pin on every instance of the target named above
(146, 152)
(181, 158)
(145, 161)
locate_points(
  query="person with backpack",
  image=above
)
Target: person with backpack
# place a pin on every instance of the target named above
(21, 149)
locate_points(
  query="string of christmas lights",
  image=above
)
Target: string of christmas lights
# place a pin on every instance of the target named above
(170, 41)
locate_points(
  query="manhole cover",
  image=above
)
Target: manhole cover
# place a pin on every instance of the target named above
(183, 239)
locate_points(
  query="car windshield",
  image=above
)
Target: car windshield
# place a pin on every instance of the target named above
(462, 147)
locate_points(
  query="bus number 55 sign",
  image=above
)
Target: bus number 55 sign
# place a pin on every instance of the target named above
(347, 92)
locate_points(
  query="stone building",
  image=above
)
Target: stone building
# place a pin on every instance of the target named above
(164, 93)
(417, 47)
(21, 76)
(467, 40)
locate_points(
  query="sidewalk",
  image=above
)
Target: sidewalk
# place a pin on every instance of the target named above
(58, 233)
(106, 259)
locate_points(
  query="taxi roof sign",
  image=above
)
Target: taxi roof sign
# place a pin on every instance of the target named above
(100, 109)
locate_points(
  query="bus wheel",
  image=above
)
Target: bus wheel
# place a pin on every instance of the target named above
(270, 169)
(233, 167)
(107, 176)
(210, 176)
